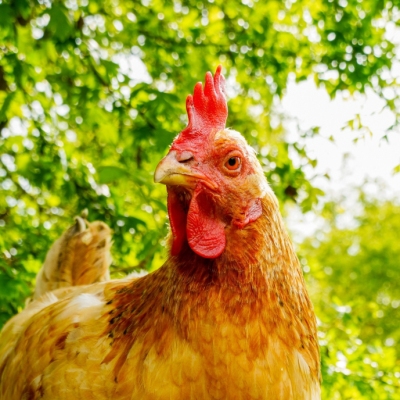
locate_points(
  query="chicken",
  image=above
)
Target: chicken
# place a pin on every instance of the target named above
(226, 317)
(80, 256)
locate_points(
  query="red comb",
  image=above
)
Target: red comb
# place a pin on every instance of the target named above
(207, 109)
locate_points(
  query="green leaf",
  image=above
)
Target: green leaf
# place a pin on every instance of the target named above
(4, 108)
(59, 23)
(5, 15)
(133, 222)
(109, 174)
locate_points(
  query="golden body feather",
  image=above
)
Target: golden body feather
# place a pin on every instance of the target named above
(231, 328)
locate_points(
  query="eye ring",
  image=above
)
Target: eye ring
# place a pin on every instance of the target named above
(233, 163)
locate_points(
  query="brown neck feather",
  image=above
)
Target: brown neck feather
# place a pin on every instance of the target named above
(257, 280)
(263, 247)
(258, 267)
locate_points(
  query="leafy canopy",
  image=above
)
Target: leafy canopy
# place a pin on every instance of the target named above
(83, 125)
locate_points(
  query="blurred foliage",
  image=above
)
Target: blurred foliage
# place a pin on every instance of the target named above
(355, 291)
(83, 125)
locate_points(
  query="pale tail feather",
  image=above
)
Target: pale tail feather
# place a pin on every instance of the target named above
(81, 256)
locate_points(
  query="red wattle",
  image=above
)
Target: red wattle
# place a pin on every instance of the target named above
(177, 220)
(205, 232)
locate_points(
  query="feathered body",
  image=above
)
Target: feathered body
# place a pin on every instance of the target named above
(235, 323)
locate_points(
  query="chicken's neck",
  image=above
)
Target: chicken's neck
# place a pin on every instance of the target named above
(258, 267)
(255, 285)
(262, 250)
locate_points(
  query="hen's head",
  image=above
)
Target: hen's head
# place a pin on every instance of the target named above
(213, 177)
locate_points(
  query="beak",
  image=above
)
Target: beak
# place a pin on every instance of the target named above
(174, 173)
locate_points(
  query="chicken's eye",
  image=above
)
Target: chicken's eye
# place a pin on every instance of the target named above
(233, 163)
